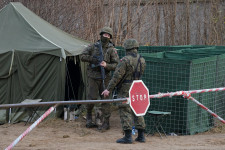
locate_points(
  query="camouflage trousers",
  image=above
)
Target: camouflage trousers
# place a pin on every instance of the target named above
(129, 119)
(102, 110)
(127, 116)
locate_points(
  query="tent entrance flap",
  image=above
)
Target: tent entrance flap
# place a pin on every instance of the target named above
(73, 78)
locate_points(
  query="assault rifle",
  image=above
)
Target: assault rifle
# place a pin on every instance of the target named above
(101, 58)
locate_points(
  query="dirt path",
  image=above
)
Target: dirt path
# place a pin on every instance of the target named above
(60, 135)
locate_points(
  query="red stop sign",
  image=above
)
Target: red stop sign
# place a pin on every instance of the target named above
(139, 98)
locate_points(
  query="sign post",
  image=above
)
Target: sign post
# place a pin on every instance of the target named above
(139, 98)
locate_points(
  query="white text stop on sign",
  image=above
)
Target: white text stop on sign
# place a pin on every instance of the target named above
(138, 97)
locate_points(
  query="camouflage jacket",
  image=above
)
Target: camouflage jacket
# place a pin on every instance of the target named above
(110, 57)
(124, 73)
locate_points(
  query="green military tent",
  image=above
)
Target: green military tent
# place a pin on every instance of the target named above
(35, 58)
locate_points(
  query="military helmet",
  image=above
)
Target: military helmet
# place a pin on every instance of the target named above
(107, 30)
(130, 44)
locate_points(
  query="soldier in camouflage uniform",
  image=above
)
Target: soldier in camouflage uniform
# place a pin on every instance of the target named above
(92, 55)
(130, 68)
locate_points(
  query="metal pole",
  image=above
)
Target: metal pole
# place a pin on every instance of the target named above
(4, 106)
(55, 103)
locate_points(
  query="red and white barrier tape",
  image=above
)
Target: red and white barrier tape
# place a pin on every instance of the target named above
(30, 128)
(188, 96)
(179, 93)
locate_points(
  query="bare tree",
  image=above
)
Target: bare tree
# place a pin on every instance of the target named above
(151, 22)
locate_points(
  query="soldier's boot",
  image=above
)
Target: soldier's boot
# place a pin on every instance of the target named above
(99, 118)
(141, 136)
(127, 139)
(89, 123)
(105, 126)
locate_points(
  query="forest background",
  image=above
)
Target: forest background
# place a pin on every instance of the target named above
(151, 22)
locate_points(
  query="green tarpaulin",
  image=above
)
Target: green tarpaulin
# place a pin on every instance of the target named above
(32, 58)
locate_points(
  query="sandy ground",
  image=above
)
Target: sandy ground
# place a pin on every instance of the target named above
(57, 134)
